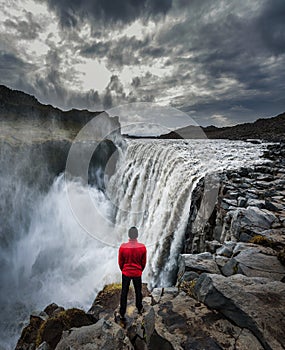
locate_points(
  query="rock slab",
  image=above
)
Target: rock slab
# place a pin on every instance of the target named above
(257, 304)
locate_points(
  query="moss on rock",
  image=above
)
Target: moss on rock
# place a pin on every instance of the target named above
(51, 329)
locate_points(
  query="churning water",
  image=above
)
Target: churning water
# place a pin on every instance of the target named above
(47, 256)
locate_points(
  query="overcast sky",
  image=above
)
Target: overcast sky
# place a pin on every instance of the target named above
(221, 62)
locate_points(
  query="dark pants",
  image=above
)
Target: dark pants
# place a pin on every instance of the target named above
(137, 282)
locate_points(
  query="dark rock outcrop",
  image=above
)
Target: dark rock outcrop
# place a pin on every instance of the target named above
(256, 304)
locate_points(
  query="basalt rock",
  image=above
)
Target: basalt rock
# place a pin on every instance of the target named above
(256, 304)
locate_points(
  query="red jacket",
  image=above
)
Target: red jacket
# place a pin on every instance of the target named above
(132, 258)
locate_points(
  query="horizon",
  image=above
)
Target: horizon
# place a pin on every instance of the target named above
(150, 134)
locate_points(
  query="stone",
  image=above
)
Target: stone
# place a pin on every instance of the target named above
(247, 340)
(221, 261)
(190, 276)
(277, 236)
(260, 261)
(230, 268)
(29, 333)
(51, 330)
(251, 219)
(241, 202)
(198, 263)
(43, 346)
(187, 324)
(256, 304)
(227, 203)
(273, 206)
(156, 295)
(226, 249)
(212, 246)
(241, 246)
(104, 334)
(253, 263)
(256, 203)
(149, 324)
(49, 310)
(171, 291)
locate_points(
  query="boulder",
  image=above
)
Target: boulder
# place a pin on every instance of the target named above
(104, 334)
(226, 249)
(256, 304)
(251, 220)
(202, 262)
(156, 295)
(51, 330)
(253, 263)
(29, 334)
(256, 203)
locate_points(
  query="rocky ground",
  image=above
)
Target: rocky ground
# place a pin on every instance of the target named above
(230, 291)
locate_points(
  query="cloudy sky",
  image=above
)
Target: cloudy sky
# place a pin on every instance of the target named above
(220, 61)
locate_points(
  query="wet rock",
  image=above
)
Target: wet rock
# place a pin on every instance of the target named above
(253, 303)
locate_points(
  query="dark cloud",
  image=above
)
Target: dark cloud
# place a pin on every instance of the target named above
(27, 28)
(107, 12)
(12, 67)
(136, 82)
(125, 51)
(271, 26)
(218, 61)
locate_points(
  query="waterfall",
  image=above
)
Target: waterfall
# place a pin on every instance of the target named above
(47, 256)
(152, 188)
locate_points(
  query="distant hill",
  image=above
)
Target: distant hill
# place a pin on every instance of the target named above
(269, 129)
(16, 104)
(266, 128)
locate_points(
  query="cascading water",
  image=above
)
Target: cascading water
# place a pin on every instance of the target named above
(46, 256)
(156, 178)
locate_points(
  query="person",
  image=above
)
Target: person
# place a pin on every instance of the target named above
(132, 261)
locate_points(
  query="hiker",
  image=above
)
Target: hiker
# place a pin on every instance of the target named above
(132, 260)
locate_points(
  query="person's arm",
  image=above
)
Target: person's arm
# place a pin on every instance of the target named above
(121, 259)
(143, 261)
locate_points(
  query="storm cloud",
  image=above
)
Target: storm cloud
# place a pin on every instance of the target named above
(107, 12)
(220, 62)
